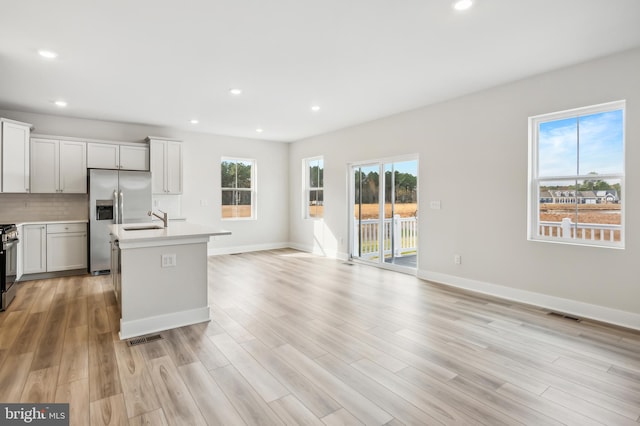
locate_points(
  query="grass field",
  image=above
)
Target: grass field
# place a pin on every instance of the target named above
(587, 213)
(371, 211)
(229, 212)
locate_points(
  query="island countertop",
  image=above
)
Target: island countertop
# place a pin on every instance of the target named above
(128, 235)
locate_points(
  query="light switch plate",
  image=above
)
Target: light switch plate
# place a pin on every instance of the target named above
(435, 205)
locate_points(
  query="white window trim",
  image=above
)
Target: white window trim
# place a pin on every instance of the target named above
(533, 196)
(306, 187)
(253, 189)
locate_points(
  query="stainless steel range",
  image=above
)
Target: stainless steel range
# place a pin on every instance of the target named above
(8, 263)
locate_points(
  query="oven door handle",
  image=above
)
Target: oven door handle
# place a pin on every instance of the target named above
(8, 244)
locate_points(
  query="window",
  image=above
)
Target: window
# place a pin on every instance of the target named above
(576, 192)
(238, 188)
(313, 184)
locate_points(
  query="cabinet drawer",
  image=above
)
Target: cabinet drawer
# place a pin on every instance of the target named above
(57, 228)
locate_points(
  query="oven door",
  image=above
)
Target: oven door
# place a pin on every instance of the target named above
(9, 258)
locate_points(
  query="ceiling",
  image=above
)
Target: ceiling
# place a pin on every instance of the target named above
(166, 62)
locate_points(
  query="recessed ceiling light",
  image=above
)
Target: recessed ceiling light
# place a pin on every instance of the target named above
(259, 130)
(48, 54)
(463, 4)
(194, 121)
(315, 108)
(61, 104)
(236, 92)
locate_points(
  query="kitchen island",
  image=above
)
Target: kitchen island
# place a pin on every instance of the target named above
(160, 275)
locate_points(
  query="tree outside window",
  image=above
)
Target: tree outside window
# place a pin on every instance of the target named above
(314, 187)
(238, 188)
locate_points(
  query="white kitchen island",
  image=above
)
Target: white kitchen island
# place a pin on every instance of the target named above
(160, 276)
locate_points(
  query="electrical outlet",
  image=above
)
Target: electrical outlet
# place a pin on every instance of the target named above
(457, 259)
(204, 203)
(435, 205)
(169, 260)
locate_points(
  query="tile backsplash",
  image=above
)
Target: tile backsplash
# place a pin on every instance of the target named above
(18, 208)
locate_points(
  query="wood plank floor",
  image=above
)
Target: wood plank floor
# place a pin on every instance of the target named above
(299, 339)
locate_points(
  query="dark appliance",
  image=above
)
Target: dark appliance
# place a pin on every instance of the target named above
(8, 263)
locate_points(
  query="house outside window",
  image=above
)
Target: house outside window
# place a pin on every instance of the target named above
(238, 178)
(313, 170)
(576, 176)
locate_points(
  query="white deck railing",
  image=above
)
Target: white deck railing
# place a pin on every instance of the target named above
(583, 231)
(399, 236)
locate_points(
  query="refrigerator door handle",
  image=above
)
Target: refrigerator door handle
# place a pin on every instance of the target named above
(121, 207)
(116, 216)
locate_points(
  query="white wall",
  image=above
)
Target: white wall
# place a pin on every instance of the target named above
(201, 154)
(473, 157)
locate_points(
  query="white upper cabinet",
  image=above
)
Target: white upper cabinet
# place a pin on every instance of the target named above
(103, 156)
(73, 167)
(14, 149)
(134, 157)
(117, 156)
(166, 166)
(58, 166)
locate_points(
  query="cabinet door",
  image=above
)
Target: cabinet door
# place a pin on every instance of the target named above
(134, 157)
(34, 249)
(158, 161)
(15, 157)
(66, 251)
(73, 167)
(45, 174)
(103, 156)
(174, 167)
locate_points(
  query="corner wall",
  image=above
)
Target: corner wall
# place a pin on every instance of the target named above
(473, 155)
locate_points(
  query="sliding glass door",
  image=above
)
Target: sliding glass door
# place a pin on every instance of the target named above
(385, 213)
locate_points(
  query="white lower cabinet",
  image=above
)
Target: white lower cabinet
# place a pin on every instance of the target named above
(54, 247)
(66, 246)
(34, 248)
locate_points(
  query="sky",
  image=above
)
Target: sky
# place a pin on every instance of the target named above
(410, 167)
(598, 144)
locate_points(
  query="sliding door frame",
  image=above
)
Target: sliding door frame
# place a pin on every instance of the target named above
(381, 205)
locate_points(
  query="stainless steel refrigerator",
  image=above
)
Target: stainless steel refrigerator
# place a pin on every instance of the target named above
(114, 197)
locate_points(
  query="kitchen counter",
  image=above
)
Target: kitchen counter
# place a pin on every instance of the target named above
(175, 233)
(160, 276)
(46, 222)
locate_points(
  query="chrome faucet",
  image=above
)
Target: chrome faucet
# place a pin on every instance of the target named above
(163, 218)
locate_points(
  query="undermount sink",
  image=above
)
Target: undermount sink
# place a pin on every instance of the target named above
(142, 228)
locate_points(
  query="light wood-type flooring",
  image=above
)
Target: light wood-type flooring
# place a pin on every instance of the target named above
(297, 339)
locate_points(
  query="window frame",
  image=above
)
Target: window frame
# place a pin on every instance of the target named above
(307, 188)
(252, 190)
(533, 196)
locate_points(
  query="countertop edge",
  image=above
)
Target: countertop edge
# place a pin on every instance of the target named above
(53, 222)
(175, 232)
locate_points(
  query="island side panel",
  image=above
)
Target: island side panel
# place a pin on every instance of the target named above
(156, 298)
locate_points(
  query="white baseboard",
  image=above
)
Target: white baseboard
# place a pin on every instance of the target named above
(245, 249)
(144, 326)
(333, 254)
(558, 304)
